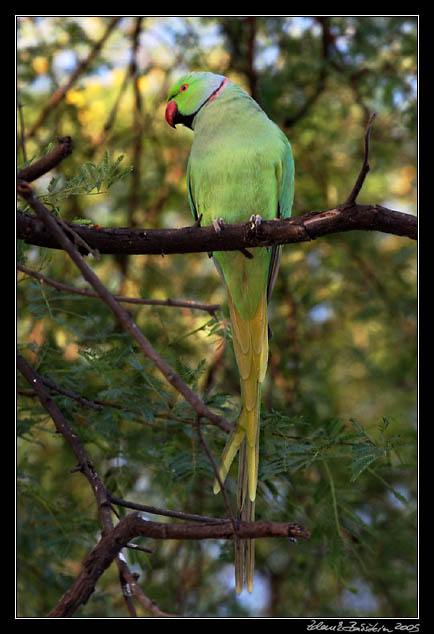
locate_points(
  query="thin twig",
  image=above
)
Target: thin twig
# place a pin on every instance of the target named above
(97, 404)
(327, 41)
(78, 240)
(365, 166)
(154, 510)
(149, 605)
(137, 123)
(22, 132)
(76, 397)
(68, 228)
(216, 473)
(112, 115)
(219, 480)
(57, 97)
(176, 303)
(246, 253)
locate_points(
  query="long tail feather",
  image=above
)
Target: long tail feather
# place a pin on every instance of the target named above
(250, 338)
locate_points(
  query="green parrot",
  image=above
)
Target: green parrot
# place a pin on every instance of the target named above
(240, 169)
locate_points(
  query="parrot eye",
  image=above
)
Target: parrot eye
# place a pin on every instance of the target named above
(183, 88)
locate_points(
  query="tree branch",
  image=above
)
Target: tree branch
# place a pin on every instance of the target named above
(47, 162)
(154, 510)
(120, 313)
(195, 239)
(63, 428)
(349, 216)
(98, 488)
(175, 303)
(365, 166)
(134, 525)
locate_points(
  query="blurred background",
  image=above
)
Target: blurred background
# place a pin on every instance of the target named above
(338, 442)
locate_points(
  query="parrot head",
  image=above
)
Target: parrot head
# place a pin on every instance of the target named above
(189, 94)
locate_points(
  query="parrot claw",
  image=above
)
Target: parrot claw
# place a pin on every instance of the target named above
(255, 221)
(218, 225)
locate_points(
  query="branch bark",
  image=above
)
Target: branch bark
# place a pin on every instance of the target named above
(193, 239)
(47, 162)
(133, 526)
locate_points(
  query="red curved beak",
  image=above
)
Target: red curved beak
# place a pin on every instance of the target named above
(171, 111)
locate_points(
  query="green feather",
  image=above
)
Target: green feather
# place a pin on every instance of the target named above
(240, 165)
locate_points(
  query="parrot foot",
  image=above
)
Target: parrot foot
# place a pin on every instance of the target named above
(218, 225)
(255, 221)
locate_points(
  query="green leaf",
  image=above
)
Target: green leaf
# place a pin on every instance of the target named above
(366, 455)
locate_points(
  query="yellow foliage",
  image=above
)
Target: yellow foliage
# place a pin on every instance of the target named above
(94, 25)
(117, 76)
(63, 38)
(403, 181)
(152, 81)
(75, 97)
(217, 58)
(332, 195)
(40, 64)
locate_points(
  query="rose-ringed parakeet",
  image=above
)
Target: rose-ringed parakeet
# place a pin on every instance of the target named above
(240, 169)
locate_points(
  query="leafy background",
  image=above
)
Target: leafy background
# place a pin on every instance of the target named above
(338, 443)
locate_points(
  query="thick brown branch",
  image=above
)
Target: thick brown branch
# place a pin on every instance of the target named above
(133, 526)
(195, 239)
